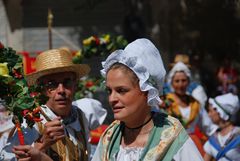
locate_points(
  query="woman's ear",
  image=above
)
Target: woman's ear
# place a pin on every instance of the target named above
(146, 93)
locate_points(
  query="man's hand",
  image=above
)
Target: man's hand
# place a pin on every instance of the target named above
(29, 153)
(53, 131)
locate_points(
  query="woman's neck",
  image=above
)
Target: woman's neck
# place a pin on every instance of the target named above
(225, 127)
(138, 119)
(182, 100)
(137, 136)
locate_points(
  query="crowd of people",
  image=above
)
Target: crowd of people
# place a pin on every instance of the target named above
(158, 115)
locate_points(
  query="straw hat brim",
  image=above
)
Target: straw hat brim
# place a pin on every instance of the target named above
(80, 69)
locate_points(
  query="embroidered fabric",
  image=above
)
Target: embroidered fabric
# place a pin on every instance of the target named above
(129, 153)
(144, 59)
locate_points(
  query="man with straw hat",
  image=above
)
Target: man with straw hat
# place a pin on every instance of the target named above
(62, 133)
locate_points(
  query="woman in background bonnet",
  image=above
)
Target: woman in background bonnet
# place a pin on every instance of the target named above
(134, 78)
(185, 107)
(224, 144)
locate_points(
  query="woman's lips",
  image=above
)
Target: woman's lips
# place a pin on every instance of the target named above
(117, 109)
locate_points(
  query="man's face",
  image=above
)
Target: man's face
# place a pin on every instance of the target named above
(60, 88)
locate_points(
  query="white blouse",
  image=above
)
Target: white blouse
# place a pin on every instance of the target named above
(129, 153)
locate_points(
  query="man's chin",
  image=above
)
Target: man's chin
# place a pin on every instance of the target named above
(63, 110)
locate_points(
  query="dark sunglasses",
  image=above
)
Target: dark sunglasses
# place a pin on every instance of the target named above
(53, 84)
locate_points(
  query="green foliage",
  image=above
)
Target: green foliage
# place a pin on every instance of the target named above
(96, 46)
(99, 46)
(22, 100)
(15, 93)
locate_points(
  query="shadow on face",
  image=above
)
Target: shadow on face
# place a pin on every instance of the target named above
(60, 89)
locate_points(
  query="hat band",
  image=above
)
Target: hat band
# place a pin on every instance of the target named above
(221, 107)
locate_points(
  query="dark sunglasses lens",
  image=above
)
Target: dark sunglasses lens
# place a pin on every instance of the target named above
(52, 85)
(68, 83)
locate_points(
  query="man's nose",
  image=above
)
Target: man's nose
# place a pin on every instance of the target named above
(60, 88)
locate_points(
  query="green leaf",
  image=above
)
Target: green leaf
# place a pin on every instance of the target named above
(25, 103)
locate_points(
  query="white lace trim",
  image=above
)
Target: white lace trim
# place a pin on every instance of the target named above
(129, 153)
(146, 82)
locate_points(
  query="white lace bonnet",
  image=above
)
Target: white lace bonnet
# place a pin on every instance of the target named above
(144, 59)
(179, 66)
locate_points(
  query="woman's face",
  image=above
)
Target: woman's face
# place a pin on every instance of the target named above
(125, 97)
(213, 114)
(180, 82)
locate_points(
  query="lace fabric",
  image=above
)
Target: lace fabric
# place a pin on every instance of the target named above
(129, 153)
(143, 58)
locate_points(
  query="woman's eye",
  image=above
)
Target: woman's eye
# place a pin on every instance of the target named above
(121, 90)
(176, 81)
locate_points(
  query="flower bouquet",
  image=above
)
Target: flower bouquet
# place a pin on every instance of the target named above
(15, 94)
(91, 47)
(99, 46)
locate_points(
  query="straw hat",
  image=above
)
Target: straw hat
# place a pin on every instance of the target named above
(56, 61)
(181, 58)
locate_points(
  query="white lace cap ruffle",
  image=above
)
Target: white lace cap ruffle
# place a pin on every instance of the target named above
(144, 59)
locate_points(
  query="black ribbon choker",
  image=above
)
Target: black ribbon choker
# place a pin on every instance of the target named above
(138, 127)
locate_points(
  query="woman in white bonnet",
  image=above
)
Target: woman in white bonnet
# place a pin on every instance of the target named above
(186, 108)
(134, 77)
(224, 144)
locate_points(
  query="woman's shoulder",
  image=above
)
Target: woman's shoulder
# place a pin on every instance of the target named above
(112, 127)
(163, 120)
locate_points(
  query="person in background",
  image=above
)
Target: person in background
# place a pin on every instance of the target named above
(227, 77)
(95, 114)
(93, 111)
(134, 78)
(194, 88)
(5, 125)
(184, 107)
(224, 144)
(63, 131)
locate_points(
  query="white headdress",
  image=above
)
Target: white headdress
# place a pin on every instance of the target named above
(226, 105)
(144, 59)
(178, 67)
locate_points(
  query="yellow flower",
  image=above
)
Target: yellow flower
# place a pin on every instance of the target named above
(88, 40)
(106, 38)
(4, 70)
(79, 53)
